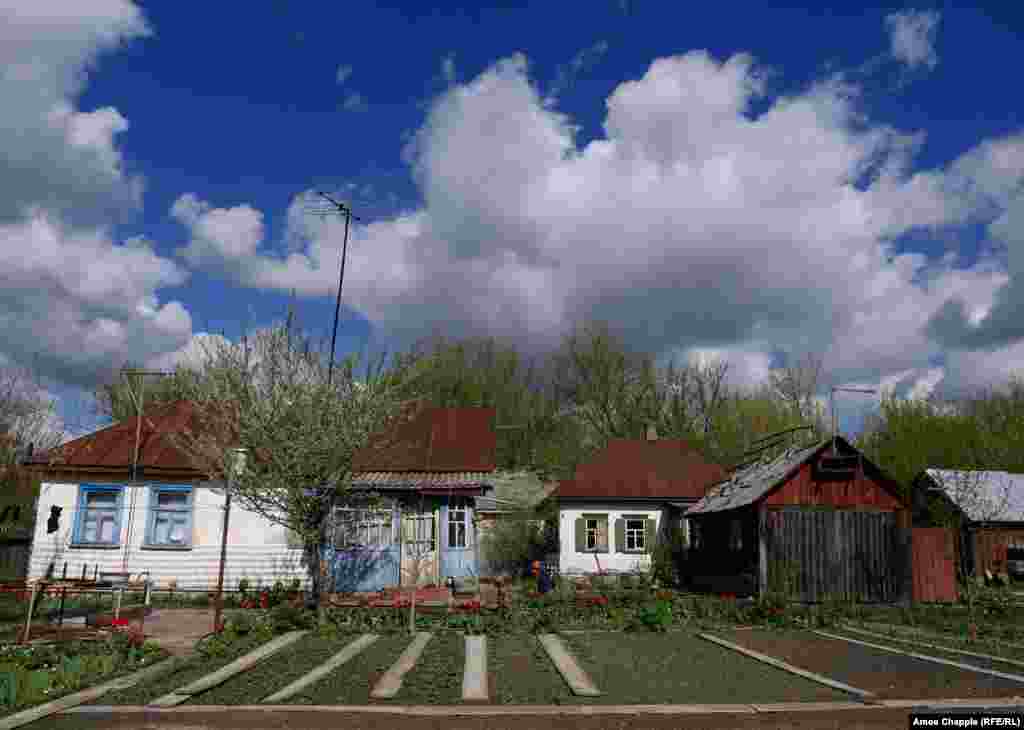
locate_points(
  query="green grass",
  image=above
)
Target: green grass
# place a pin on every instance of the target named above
(523, 673)
(351, 683)
(437, 676)
(193, 668)
(681, 668)
(276, 672)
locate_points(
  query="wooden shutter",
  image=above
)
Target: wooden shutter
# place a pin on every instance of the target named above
(620, 535)
(581, 535)
(650, 535)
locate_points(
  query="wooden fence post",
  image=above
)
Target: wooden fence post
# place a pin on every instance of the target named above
(31, 605)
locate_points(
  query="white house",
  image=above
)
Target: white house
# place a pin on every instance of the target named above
(167, 522)
(620, 503)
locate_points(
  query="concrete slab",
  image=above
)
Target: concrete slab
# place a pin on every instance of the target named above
(388, 685)
(785, 666)
(63, 704)
(579, 681)
(474, 676)
(227, 672)
(351, 650)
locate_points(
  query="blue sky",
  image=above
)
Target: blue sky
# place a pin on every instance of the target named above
(737, 181)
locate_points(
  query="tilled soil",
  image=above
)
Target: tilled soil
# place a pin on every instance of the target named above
(888, 675)
(681, 668)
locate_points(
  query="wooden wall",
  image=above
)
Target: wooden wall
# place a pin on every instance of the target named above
(804, 489)
(990, 544)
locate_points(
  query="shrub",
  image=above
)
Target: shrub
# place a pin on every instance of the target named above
(285, 617)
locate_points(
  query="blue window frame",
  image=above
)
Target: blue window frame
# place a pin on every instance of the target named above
(169, 522)
(98, 517)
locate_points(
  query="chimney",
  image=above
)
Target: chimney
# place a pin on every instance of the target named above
(652, 432)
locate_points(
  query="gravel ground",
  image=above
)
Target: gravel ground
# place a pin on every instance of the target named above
(520, 672)
(437, 677)
(681, 668)
(890, 676)
(276, 672)
(351, 683)
(190, 670)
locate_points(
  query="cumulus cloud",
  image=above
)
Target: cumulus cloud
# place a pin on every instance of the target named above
(75, 304)
(912, 37)
(52, 153)
(217, 233)
(693, 223)
(74, 301)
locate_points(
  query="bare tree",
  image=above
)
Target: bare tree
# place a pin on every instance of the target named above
(710, 389)
(270, 395)
(27, 414)
(796, 384)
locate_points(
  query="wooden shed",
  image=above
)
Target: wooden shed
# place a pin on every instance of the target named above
(816, 522)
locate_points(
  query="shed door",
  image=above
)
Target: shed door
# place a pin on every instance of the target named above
(457, 548)
(366, 549)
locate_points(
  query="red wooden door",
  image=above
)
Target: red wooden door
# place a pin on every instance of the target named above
(934, 565)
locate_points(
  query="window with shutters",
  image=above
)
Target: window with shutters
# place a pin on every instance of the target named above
(170, 517)
(635, 535)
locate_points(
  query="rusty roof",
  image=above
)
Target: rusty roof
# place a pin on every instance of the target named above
(667, 469)
(433, 439)
(113, 447)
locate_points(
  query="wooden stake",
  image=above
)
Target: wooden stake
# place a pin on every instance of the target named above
(31, 605)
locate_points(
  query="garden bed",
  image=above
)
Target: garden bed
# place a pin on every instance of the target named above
(45, 673)
(520, 672)
(351, 683)
(192, 668)
(275, 672)
(437, 677)
(681, 668)
(888, 675)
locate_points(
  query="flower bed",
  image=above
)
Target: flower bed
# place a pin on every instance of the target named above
(34, 673)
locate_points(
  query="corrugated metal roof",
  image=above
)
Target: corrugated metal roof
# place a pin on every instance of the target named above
(640, 469)
(984, 496)
(114, 446)
(433, 440)
(749, 484)
(513, 490)
(403, 480)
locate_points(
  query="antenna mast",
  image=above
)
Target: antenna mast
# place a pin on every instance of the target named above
(346, 212)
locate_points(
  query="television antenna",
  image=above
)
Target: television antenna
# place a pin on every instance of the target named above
(323, 206)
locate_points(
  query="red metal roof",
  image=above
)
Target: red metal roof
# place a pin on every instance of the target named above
(113, 447)
(634, 468)
(433, 440)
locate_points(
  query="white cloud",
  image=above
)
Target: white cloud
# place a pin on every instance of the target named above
(691, 223)
(192, 354)
(74, 302)
(217, 233)
(53, 154)
(912, 37)
(344, 71)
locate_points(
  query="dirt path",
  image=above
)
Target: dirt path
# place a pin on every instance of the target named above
(872, 719)
(178, 629)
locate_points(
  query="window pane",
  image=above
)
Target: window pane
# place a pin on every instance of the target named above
(172, 500)
(161, 530)
(100, 499)
(89, 529)
(106, 528)
(178, 532)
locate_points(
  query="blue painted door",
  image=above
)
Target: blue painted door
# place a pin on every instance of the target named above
(458, 556)
(366, 550)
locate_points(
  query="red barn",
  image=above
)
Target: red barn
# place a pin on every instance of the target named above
(816, 522)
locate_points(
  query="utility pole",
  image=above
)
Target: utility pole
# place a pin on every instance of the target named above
(346, 212)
